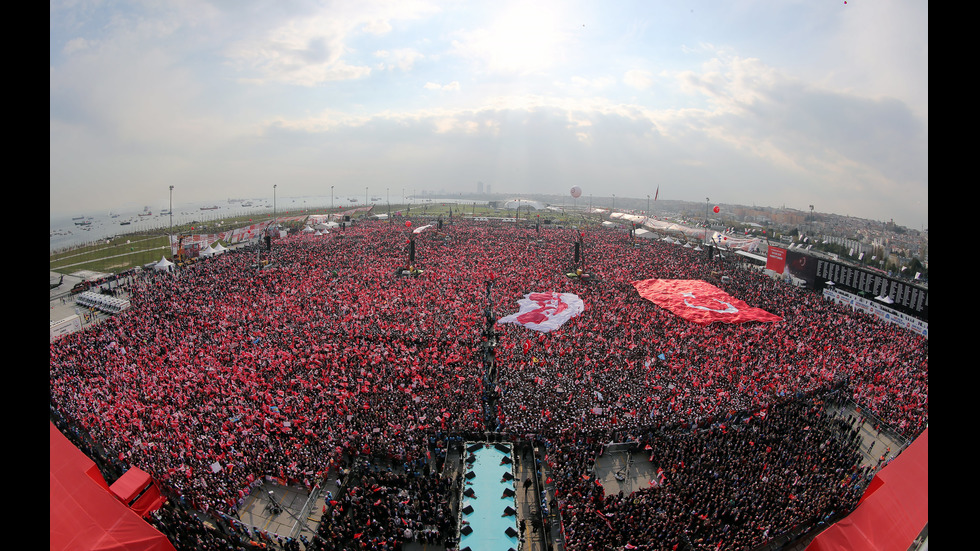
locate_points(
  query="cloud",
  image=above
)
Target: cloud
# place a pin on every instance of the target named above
(511, 97)
(518, 38)
(641, 80)
(403, 59)
(452, 86)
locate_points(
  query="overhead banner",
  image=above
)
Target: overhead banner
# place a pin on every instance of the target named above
(545, 311)
(236, 235)
(776, 259)
(700, 302)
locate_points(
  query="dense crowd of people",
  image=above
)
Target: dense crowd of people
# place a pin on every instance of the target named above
(732, 485)
(384, 508)
(223, 372)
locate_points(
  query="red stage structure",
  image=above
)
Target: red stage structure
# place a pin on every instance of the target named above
(86, 513)
(893, 511)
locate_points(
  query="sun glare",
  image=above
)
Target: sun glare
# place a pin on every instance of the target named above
(525, 38)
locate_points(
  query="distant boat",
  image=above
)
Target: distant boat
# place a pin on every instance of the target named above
(125, 223)
(113, 215)
(375, 198)
(210, 208)
(247, 204)
(352, 199)
(84, 223)
(78, 218)
(146, 212)
(164, 211)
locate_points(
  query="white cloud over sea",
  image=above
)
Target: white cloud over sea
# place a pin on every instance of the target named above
(792, 103)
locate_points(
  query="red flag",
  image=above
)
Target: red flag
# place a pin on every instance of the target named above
(657, 193)
(700, 302)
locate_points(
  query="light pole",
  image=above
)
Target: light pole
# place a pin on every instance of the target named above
(171, 239)
(331, 197)
(614, 201)
(810, 230)
(365, 195)
(648, 204)
(172, 210)
(706, 220)
(274, 214)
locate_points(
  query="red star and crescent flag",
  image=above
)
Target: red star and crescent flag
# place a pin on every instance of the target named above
(699, 301)
(545, 311)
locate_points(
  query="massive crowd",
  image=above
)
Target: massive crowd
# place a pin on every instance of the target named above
(223, 373)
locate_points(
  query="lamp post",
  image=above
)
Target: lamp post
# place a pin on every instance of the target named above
(810, 229)
(171, 209)
(171, 220)
(331, 197)
(648, 204)
(614, 201)
(706, 220)
(274, 215)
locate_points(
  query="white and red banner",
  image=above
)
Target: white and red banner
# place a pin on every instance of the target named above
(776, 259)
(699, 302)
(237, 235)
(546, 311)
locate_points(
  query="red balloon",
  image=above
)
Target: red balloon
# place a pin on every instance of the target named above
(717, 209)
(408, 223)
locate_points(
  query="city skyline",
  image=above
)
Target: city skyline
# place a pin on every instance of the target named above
(747, 103)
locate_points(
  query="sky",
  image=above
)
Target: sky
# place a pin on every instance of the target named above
(770, 103)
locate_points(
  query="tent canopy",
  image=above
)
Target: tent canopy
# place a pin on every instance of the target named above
(893, 510)
(83, 512)
(136, 488)
(164, 264)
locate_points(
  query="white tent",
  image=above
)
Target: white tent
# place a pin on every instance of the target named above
(219, 248)
(163, 265)
(206, 252)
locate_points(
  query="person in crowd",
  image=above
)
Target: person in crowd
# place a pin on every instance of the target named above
(222, 373)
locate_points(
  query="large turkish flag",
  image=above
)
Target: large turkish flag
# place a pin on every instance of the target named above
(699, 302)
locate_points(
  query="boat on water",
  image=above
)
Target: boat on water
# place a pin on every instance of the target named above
(125, 222)
(78, 218)
(352, 199)
(247, 204)
(146, 212)
(210, 208)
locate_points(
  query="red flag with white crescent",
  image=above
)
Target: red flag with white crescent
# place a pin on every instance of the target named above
(700, 302)
(545, 311)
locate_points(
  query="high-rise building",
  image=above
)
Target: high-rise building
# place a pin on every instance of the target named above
(479, 187)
